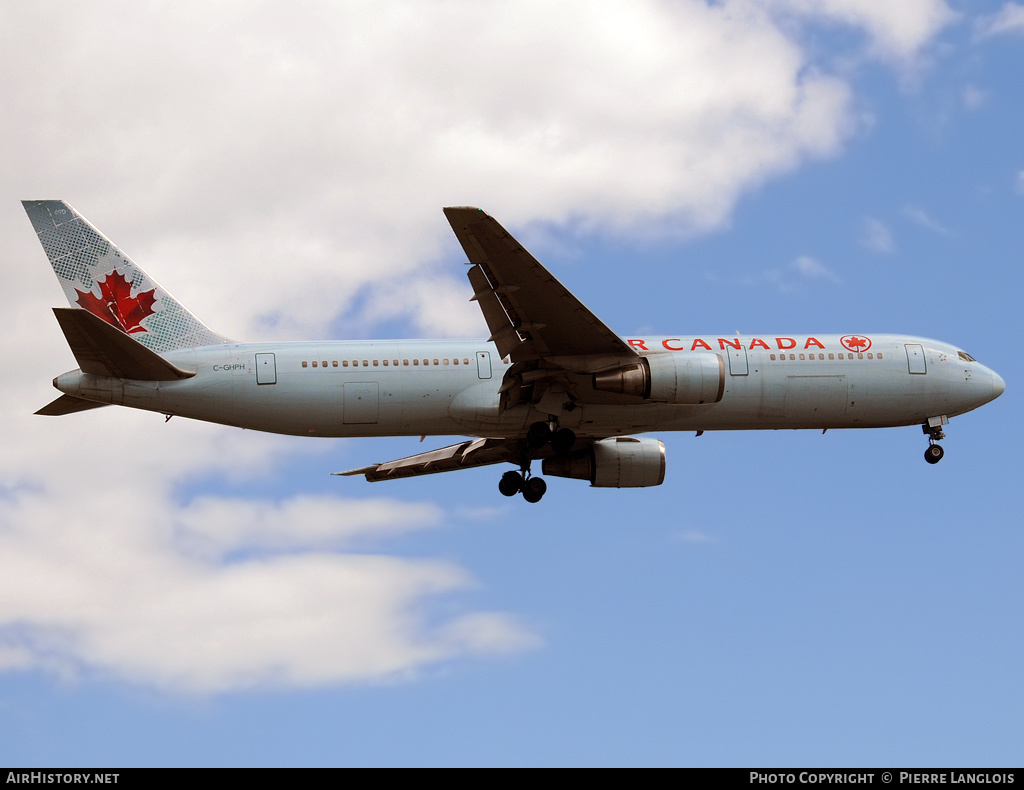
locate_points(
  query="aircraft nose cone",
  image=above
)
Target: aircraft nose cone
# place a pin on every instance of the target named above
(998, 385)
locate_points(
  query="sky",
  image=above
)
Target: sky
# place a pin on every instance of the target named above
(186, 594)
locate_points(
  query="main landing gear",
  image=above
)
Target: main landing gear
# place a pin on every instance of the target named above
(541, 433)
(933, 429)
(532, 488)
(521, 482)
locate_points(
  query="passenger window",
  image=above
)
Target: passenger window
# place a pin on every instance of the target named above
(405, 363)
(446, 362)
(385, 363)
(344, 363)
(436, 362)
(415, 363)
(305, 364)
(366, 363)
(456, 360)
(314, 363)
(772, 356)
(879, 356)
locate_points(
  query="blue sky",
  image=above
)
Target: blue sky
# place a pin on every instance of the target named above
(184, 594)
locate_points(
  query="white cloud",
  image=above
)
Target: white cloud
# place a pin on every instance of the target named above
(215, 526)
(921, 217)
(1009, 19)
(103, 573)
(322, 145)
(694, 536)
(792, 278)
(1019, 182)
(813, 269)
(876, 236)
(898, 32)
(974, 97)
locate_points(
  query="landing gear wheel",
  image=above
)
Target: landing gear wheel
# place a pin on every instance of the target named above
(539, 434)
(511, 483)
(534, 488)
(562, 441)
(933, 454)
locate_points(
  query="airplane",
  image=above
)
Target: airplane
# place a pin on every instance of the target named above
(552, 382)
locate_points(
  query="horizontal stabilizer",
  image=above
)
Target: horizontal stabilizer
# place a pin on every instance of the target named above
(478, 452)
(68, 404)
(104, 350)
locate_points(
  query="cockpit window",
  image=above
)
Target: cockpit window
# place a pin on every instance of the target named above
(965, 356)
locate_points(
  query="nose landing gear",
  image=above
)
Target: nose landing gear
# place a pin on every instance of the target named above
(933, 429)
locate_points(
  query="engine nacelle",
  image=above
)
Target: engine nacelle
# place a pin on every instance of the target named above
(620, 462)
(690, 378)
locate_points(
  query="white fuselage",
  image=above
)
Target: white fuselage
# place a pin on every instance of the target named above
(450, 387)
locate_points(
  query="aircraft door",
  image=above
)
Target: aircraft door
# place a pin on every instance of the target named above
(360, 400)
(915, 358)
(816, 401)
(738, 361)
(483, 364)
(266, 369)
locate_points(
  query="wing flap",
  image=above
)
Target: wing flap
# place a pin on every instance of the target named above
(478, 452)
(503, 334)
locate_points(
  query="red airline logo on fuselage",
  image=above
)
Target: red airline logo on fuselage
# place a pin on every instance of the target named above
(780, 343)
(855, 342)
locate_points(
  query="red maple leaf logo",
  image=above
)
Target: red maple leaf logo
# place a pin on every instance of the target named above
(856, 343)
(116, 305)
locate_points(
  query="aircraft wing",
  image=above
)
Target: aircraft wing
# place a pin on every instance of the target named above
(478, 452)
(530, 314)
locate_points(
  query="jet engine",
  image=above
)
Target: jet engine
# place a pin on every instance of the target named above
(685, 378)
(620, 462)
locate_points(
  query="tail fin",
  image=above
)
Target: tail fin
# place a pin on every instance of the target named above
(98, 277)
